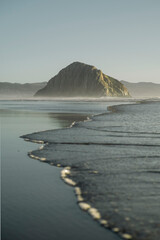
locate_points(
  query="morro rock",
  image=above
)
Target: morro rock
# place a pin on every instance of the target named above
(82, 80)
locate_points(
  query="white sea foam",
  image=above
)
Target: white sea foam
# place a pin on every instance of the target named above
(126, 236)
(84, 206)
(94, 213)
(78, 191)
(69, 181)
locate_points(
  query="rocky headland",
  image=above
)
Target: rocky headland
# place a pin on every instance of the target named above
(82, 80)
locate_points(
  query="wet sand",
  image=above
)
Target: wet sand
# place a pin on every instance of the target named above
(114, 162)
(36, 204)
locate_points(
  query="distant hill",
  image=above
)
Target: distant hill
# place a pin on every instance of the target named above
(143, 89)
(82, 80)
(17, 90)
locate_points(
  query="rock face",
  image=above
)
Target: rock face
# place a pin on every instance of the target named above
(82, 80)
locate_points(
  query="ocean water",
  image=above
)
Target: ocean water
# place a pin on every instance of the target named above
(115, 160)
(36, 204)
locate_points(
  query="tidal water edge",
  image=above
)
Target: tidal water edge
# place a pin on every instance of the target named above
(36, 204)
(115, 162)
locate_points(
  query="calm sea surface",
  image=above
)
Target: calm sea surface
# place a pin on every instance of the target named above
(36, 204)
(115, 160)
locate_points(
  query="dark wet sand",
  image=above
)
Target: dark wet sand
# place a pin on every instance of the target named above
(36, 204)
(115, 161)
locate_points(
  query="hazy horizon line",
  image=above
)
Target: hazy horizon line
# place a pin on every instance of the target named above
(32, 82)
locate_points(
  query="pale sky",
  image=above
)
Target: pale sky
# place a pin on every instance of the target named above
(40, 37)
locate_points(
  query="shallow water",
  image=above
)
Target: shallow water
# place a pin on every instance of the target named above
(115, 160)
(36, 204)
